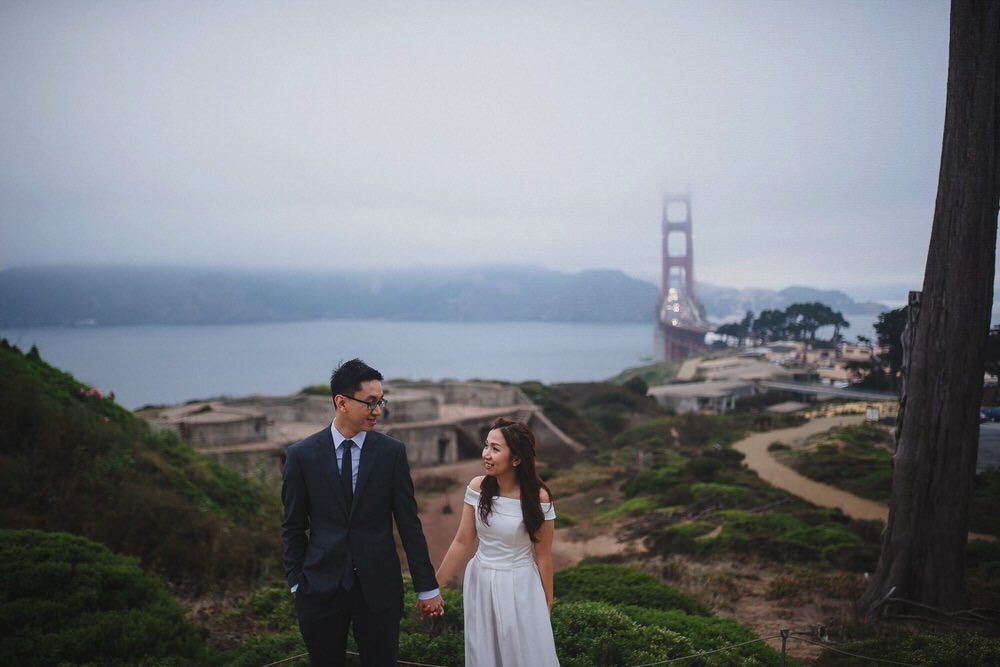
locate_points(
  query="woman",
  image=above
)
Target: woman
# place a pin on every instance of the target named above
(508, 584)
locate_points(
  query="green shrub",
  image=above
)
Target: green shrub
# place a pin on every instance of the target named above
(265, 650)
(679, 538)
(79, 463)
(594, 634)
(658, 481)
(632, 507)
(656, 433)
(271, 608)
(616, 584)
(861, 466)
(708, 634)
(954, 649)
(725, 494)
(637, 386)
(67, 599)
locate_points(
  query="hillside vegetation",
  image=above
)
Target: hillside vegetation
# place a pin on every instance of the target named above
(72, 460)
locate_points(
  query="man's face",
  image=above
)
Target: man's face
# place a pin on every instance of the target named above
(352, 412)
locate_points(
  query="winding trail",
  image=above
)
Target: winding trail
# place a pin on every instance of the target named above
(758, 459)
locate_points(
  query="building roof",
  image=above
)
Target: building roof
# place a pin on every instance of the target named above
(698, 389)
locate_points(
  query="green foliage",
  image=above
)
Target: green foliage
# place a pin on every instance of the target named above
(632, 507)
(591, 633)
(679, 538)
(652, 375)
(660, 481)
(558, 406)
(773, 535)
(654, 434)
(271, 608)
(66, 599)
(75, 461)
(726, 494)
(636, 385)
(953, 649)
(580, 477)
(266, 650)
(708, 634)
(619, 585)
(861, 466)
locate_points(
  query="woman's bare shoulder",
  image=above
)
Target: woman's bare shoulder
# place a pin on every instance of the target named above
(543, 496)
(477, 483)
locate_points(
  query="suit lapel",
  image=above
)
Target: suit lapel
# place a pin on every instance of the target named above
(369, 454)
(328, 469)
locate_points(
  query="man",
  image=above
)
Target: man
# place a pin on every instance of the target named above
(342, 488)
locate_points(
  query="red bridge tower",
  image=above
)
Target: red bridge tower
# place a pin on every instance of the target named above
(680, 322)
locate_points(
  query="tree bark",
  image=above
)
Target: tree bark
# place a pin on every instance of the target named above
(924, 544)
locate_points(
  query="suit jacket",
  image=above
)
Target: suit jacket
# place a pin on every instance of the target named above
(317, 531)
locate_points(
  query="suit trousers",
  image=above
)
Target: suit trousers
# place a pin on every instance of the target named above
(325, 618)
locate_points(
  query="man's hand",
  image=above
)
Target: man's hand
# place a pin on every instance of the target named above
(431, 608)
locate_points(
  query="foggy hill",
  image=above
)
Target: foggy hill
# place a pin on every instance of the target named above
(115, 296)
(723, 304)
(122, 296)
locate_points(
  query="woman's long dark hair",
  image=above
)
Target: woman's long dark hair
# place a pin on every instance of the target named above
(521, 443)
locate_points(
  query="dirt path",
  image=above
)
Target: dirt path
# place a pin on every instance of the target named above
(758, 459)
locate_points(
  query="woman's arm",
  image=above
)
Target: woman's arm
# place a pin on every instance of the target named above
(464, 544)
(543, 557)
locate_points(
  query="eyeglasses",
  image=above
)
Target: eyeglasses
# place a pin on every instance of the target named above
(371, 405)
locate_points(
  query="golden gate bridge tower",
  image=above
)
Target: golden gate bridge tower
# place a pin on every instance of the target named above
(680, 326)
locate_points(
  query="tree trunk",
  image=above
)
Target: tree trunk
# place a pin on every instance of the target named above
(923, 548)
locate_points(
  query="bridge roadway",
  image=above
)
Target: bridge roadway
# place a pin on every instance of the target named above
(816, 389)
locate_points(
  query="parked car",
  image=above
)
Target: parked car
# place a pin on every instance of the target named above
(989, 415)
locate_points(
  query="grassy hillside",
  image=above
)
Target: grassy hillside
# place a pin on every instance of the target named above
(73, 461)
(66, 600)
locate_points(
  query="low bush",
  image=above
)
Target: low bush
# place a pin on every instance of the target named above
(65, 599)
(953, 649)
(861, 469)
(772, 535)
(619, 585)
(266, 650)
(589, 634)
(723, 494)
(707, 634)
(632, 507)
(681, 538)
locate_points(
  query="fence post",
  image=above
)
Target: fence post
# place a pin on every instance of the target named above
(784, 644)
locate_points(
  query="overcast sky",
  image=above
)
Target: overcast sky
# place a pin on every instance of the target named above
(384, 135)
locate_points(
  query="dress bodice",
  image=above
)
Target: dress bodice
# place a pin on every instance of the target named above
(504, 542)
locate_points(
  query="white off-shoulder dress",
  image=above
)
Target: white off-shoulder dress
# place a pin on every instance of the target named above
(506, 617)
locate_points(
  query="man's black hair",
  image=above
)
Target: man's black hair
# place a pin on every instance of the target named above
(348, 377)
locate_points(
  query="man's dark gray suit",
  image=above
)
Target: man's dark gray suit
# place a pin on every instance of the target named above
(321, 527)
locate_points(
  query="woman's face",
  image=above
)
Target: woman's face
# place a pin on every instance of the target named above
(496, 455)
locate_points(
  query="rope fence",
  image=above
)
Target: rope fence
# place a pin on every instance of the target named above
(784, 634)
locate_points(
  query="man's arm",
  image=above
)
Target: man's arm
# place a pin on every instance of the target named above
(295, 520)
(404, 510)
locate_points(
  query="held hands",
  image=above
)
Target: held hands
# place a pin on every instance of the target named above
(432, 608)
